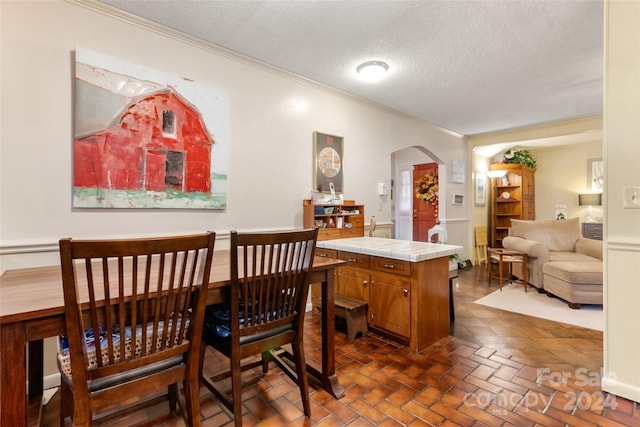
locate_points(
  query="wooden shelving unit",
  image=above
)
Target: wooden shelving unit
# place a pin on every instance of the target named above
(519, 186)
(335, 221)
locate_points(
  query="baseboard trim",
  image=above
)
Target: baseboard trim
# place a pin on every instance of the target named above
(49, 381)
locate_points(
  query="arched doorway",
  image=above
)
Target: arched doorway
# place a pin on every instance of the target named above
(403, 187)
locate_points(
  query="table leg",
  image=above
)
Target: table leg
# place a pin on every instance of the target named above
(13, 378)
(489, 269)
(524, 271)
(36, 367)
(500, 273)
(328, 376)
(452, 313)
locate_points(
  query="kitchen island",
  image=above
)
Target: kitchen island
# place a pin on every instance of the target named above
(405, 283)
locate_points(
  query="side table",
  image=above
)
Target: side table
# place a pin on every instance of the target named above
(507, 257)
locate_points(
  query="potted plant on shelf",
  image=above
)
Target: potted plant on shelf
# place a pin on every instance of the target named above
(522, 157)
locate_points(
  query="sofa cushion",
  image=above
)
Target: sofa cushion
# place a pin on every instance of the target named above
(561, 256)
(575, 272)
(556, 235)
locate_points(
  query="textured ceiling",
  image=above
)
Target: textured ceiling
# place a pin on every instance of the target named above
(467, 66)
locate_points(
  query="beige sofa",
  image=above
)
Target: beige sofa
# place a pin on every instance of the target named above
(561, 261)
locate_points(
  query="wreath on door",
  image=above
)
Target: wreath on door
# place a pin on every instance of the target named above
(427, 189)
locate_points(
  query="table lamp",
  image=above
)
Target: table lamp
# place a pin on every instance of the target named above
(590, 200)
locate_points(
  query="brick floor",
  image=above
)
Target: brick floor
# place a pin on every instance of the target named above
(466, 380)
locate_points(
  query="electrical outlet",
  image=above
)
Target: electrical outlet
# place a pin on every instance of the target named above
(631, 197)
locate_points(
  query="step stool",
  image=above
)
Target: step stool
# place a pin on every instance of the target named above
(354, 311)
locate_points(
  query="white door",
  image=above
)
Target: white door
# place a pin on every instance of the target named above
(404, 202)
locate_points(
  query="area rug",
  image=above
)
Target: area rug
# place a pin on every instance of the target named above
(513, 298)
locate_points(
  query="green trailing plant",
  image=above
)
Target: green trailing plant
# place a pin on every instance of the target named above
(520, 157)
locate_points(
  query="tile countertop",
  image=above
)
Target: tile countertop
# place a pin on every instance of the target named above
(404, 250)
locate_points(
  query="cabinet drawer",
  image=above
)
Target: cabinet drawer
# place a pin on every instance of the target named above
(592, 230)
(353, 232)
(389, 265)
(354, 260)
(328, 234)
(355, 220)
(326, 253)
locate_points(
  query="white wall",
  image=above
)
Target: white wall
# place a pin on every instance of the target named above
(270, 155)
(561, 175)
(622, 226)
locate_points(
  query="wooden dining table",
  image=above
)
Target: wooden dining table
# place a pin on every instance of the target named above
(32, 308)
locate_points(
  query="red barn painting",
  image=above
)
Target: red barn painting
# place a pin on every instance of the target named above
(158, 142)
(144, 138)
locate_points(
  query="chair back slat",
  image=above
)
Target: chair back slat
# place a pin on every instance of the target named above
(269, 276)
(137, 296)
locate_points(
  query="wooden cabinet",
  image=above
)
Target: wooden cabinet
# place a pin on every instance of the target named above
(512, 197)
(354, 279)
(592, 230)
(388, 294)
(390, 303)
(408, 301)
(335, 221)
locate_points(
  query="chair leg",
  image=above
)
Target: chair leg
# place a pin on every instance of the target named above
(236, 391)
(192, 397)
(173, 397)
(266, 358)
(74, 410)
(66, 403)
(301, 371)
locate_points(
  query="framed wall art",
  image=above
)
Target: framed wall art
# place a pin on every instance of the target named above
(595, 175)
(457, 171)
(481, 189)
(328, 163)
(146, 139)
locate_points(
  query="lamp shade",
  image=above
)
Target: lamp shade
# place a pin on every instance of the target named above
(590, 199)
(496, 173)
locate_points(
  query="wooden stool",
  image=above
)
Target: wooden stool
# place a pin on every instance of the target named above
(354, 311)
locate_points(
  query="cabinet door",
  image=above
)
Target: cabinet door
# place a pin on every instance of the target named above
(353, 282)
(390, 303)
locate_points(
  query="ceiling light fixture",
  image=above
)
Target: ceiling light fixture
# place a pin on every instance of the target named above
(372, 71)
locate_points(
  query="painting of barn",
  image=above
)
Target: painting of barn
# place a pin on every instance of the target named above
(142, 143)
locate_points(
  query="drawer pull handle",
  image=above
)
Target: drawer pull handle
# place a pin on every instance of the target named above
(405, 292)
(364, 283)
(322, 255)
(352, 260)
(389, 266)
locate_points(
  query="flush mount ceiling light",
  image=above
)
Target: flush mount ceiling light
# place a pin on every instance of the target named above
(372, 71)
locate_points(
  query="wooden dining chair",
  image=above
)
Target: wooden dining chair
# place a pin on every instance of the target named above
(268, 296)
(134, 312)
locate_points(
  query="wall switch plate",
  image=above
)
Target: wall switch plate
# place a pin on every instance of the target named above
(631, 197)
